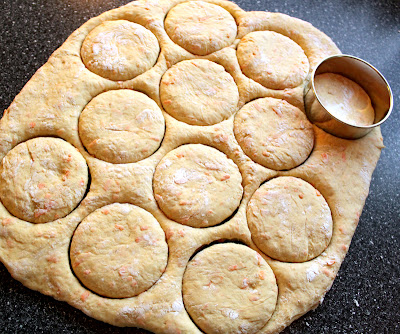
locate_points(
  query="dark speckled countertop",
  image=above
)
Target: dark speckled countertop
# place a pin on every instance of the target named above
(365, 297)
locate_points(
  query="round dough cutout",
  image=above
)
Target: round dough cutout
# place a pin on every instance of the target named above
(229, 288)
(111, 248)
(199, 92)
(119, 50)
(121, 126)
(274, 133)
(200, 27)
(43, 179)
(289, 220)
(197, 185)
(273, 60)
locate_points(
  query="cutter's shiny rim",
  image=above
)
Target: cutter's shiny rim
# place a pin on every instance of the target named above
(371, 66)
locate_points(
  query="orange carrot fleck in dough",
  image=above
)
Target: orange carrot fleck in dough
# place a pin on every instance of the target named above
(216, 279)
(85, 296)
(223, 138)
(119, 227)
(261, 275)
(324, 157)
(277, 111)
(258, 107)
(144, 228)
(167, 102)
(107, 185)
(52, 259)
(39, 212)
(301, 196)
(225, 177)
(87, 271)
(327, 273)
(259, 259)
(76, 263)
(318, 193)
(65, 176)
(181, 233)
(233, 267)
(41, 185)
(185, 219)
(82, 182)
(180, 155)
(169, 234)
(330, 262)
(6, 221)
(344, 247)
(32, 125)
(254, 298)
(122, 271)
(137, 240)
(93, 143)
(105, 211)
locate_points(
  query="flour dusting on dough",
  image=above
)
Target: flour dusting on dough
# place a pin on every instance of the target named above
(312, 272)
(177, 306)
(231, 314)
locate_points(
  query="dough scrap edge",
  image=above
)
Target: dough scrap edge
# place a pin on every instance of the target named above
(34, 264)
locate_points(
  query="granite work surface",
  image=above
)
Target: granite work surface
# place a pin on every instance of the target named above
(365, 297)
